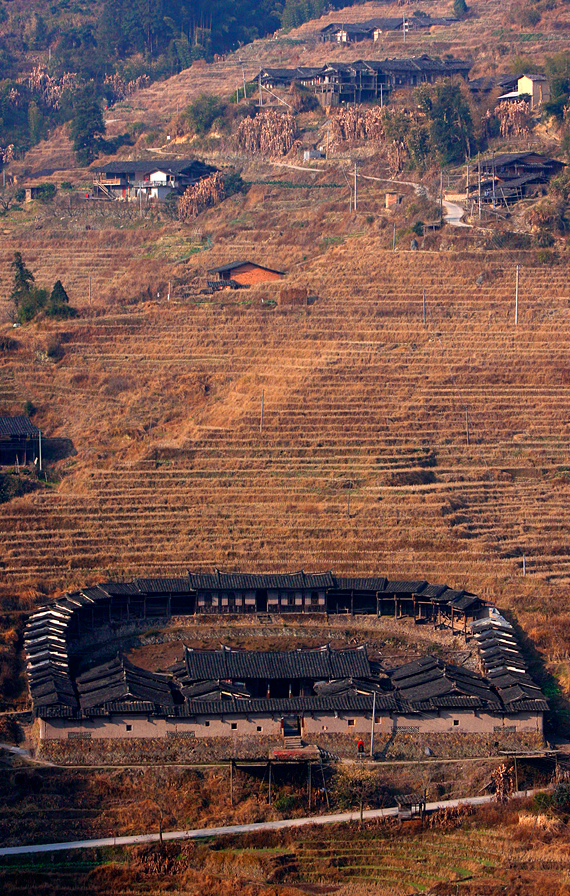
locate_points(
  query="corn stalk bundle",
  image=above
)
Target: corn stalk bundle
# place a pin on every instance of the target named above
(206, 193)
(49, 88)
(120, 88)
(514, 118)
(270, 134)
(7, 153)
(353, 123)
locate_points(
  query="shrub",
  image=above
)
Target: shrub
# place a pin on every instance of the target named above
(31, 304)
(233, 182)
(561, 798)
(45, 192)
(528, 16)
(203, 112)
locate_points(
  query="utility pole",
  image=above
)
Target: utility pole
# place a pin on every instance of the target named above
(479, 181)
(260, 93)
(467, 424)
(348, 501)
(517, 298)
(372, 726)
(244, 87)
(394, 239)
(140, 202)
(467, 187)
(89, 288)
(355, 186)
(424, 306)
(168, 299)
(404, 26)
(381, 96)
(40, 450)
(262, 403)
(494, 199)
(441, 196)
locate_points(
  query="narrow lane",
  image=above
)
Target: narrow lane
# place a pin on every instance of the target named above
(201, 833)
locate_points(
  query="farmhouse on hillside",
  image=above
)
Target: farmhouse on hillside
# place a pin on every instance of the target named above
(536, 87)
(365, 80)
(372, 29)
(245, 273)
(510, 176)
(19, 440)
(132, 180)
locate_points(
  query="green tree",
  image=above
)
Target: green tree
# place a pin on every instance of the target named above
(203, 112)
(450, 121)
(58, 303)
(35, 123)
(460, 9)
(558, 72)
(23, 280)
(87, 127)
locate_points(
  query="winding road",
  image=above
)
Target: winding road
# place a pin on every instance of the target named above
(454, 214)
(201, 833)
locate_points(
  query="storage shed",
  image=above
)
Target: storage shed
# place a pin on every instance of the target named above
(19, 440)
(246, 273)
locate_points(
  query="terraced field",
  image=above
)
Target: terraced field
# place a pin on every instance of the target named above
(364, 462)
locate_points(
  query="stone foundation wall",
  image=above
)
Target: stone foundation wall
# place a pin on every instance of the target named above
(188, 749)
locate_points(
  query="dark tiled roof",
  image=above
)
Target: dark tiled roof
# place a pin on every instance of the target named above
(361, 584)
(164, 586)
(190, 167)
(396, 587)
(251, 581)
(17, 426)
(362, 703)
(240, 665)
(119, 679)
(233, 265)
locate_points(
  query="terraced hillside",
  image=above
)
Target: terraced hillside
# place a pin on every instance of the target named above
(363, 463)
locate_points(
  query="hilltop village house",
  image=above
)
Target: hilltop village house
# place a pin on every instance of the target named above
(373, 29)
(364, 80)
(132, 180)
(308, 693)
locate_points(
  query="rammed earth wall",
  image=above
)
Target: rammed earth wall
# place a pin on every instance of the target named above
(187, 749)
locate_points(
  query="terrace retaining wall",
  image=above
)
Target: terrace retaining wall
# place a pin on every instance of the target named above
(402, 746)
